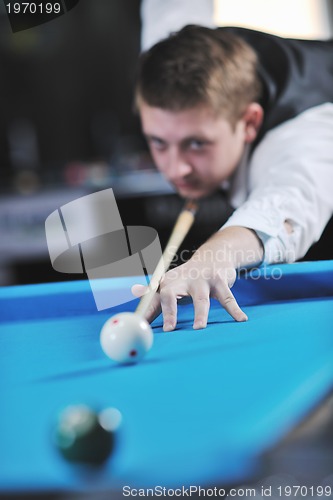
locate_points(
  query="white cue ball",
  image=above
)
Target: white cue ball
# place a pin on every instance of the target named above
(126, 337)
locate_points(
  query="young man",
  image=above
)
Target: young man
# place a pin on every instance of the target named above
(253, 113)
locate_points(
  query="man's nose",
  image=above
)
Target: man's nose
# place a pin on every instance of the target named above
(177, 167)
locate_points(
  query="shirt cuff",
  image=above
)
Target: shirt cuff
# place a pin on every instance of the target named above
(279, 246)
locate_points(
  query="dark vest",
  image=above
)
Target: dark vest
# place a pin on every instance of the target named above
(296, 74)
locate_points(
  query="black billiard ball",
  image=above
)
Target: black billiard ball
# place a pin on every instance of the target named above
(82, 437)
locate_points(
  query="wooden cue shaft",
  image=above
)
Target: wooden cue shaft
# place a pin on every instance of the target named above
(180, 230)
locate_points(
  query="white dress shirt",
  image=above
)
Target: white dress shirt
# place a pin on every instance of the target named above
(289, 177)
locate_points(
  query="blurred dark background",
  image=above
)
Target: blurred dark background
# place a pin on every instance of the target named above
(67, 129)
(66, 88)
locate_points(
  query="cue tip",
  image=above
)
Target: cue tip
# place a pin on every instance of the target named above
(191, 206)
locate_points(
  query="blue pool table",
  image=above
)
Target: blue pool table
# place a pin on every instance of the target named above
(201, 408)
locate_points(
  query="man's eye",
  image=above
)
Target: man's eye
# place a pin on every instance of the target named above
(157, 144)
(196, 144)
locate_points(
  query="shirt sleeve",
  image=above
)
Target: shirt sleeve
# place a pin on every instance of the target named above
(290, 179)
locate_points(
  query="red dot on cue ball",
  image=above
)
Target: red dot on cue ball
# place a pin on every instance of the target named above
(115, 321)
(133, 353)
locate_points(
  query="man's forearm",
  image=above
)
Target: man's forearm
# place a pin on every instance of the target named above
(236, 246)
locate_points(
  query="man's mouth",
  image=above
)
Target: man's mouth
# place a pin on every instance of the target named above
(184, 185)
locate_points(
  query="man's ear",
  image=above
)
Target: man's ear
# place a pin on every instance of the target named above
(252, 117)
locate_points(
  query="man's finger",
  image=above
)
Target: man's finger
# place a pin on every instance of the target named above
(154, 309)
(169, 308)
(226, 298)
(201, 304)
(138, 290)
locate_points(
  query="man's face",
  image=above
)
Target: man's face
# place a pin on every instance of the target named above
(194, 149)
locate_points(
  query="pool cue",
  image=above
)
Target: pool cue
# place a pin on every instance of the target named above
(182, 226)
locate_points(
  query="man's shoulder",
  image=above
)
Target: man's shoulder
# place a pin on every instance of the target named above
(300, 130)
(255, 36)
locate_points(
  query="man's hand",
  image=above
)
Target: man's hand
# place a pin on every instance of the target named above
(199, 281)
(210, 273)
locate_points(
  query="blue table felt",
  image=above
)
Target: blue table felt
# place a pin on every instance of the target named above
(202, 406)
